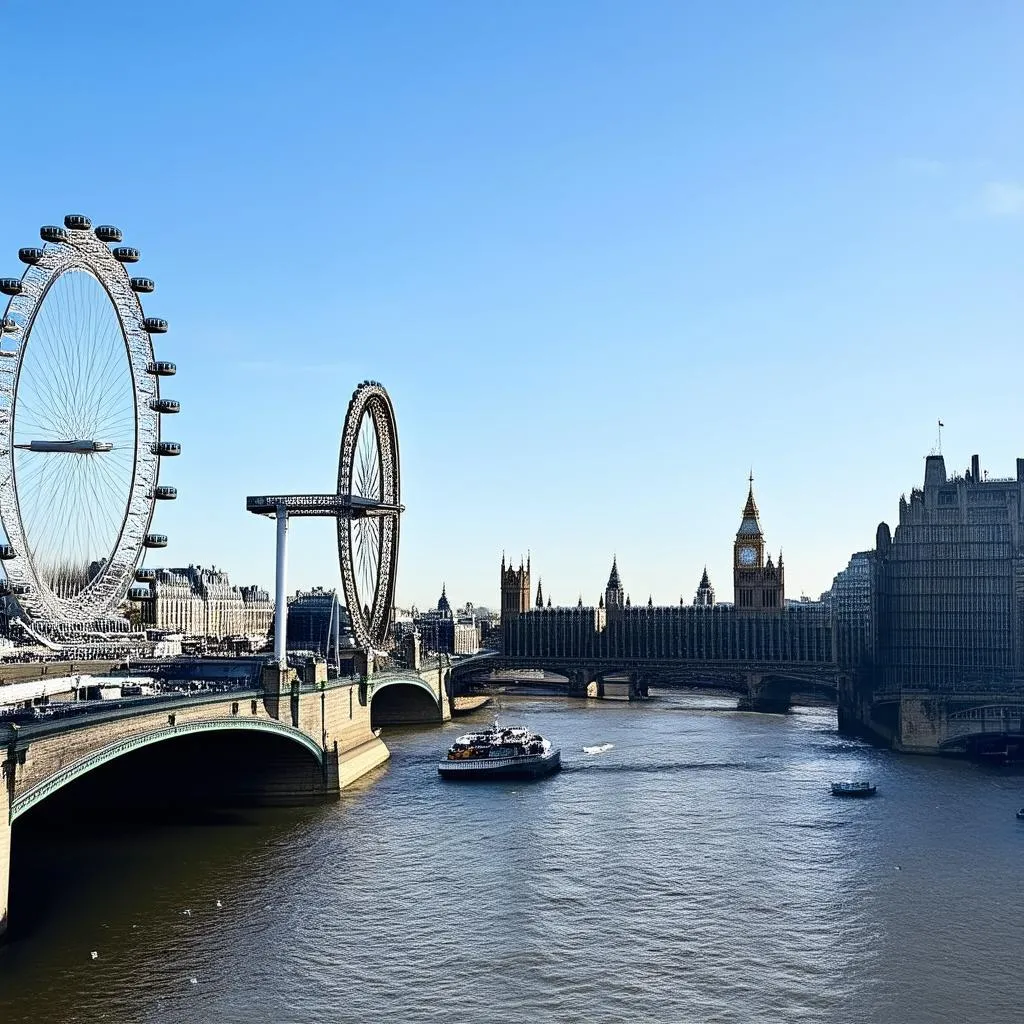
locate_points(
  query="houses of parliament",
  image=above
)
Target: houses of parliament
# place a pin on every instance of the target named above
(757, 626)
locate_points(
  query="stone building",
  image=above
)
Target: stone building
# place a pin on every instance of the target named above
(202, 602)
(436, 626)
(950, 582)
(446, 631)
(853, 607)
(465, 638)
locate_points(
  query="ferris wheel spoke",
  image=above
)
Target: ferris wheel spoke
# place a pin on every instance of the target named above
(56, 386)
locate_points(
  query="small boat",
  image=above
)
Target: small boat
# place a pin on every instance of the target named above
(500, 752)
(851, 788)
(1020, 814)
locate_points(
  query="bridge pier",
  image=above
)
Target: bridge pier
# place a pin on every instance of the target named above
(757, 700)
(581, 682)
(632, 687)
(6, 795)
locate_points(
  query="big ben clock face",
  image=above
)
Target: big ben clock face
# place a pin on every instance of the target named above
(747, 556)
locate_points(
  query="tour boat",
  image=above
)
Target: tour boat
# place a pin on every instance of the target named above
(859, 788)
(500, 752)
(1020, 814)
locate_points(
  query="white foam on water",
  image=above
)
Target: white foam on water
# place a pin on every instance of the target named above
(599, 749)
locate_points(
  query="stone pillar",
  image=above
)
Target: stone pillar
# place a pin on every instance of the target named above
(276, 687)
(7, 777)
(638, 688)
(756, 699)
(5, 855)
(922, 723)
(578, 680)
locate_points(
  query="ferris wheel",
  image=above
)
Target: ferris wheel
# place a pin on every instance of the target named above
(80, 439)
(369, 483)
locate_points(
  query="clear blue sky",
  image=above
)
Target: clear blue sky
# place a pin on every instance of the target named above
(605, 256)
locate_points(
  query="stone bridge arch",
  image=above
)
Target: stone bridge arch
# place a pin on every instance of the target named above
(315, 782)
(774, 691)
(980, 726)
(404, 699)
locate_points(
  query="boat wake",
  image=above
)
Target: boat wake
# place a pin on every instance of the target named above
(598, 749)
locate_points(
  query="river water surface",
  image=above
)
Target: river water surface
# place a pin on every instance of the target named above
(698, 870)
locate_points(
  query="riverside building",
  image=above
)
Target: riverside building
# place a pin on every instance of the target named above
(950, 582)
(202, 602)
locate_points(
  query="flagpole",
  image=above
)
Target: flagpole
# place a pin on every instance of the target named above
(940, 436)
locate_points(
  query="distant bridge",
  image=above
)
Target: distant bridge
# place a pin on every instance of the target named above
(761, 685)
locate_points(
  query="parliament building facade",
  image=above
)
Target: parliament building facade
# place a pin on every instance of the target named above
(757, 627)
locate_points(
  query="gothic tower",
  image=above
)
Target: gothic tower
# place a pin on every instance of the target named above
(614, 595)
(705, 596)
(758, 585)
(515, 589)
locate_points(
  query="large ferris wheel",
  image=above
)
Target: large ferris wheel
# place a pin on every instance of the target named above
(80, 440)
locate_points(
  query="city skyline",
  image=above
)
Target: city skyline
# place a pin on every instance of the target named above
(595, 320)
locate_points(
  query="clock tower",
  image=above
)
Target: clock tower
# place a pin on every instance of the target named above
(758, 583)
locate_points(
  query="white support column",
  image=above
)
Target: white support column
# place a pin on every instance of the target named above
(281, 596)
(337, 634)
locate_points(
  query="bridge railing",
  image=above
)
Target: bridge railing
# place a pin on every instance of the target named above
(74, 713)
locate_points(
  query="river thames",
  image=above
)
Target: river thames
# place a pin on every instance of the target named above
(698, 870)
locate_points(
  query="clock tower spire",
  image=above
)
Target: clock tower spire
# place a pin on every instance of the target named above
(758, 586)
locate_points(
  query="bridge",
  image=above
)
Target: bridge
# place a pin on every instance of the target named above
(287, 741)
(978, 720)
(768, 686)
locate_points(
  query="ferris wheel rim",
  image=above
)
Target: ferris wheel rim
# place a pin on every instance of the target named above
(80, 251)
(370, 622)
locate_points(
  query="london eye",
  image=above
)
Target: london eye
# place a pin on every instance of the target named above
(80, 434)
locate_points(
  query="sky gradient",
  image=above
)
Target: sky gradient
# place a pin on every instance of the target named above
(606, 257)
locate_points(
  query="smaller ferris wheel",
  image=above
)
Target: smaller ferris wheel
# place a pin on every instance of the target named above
(80, 428)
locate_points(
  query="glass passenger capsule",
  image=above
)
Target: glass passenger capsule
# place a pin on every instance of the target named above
(30, 255)
(10, 285)
(160, 368)
(167, 448)
(168, 405)
(155, 325)
(165, 492)
(155, 540)
(108, 233)
(141, 284)
(53, 233)
(77, 222)
(125, 254)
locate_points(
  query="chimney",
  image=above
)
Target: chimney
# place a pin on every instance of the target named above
(975, 470)
(1020, 470)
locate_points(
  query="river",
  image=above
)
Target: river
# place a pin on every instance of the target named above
(698, 870)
